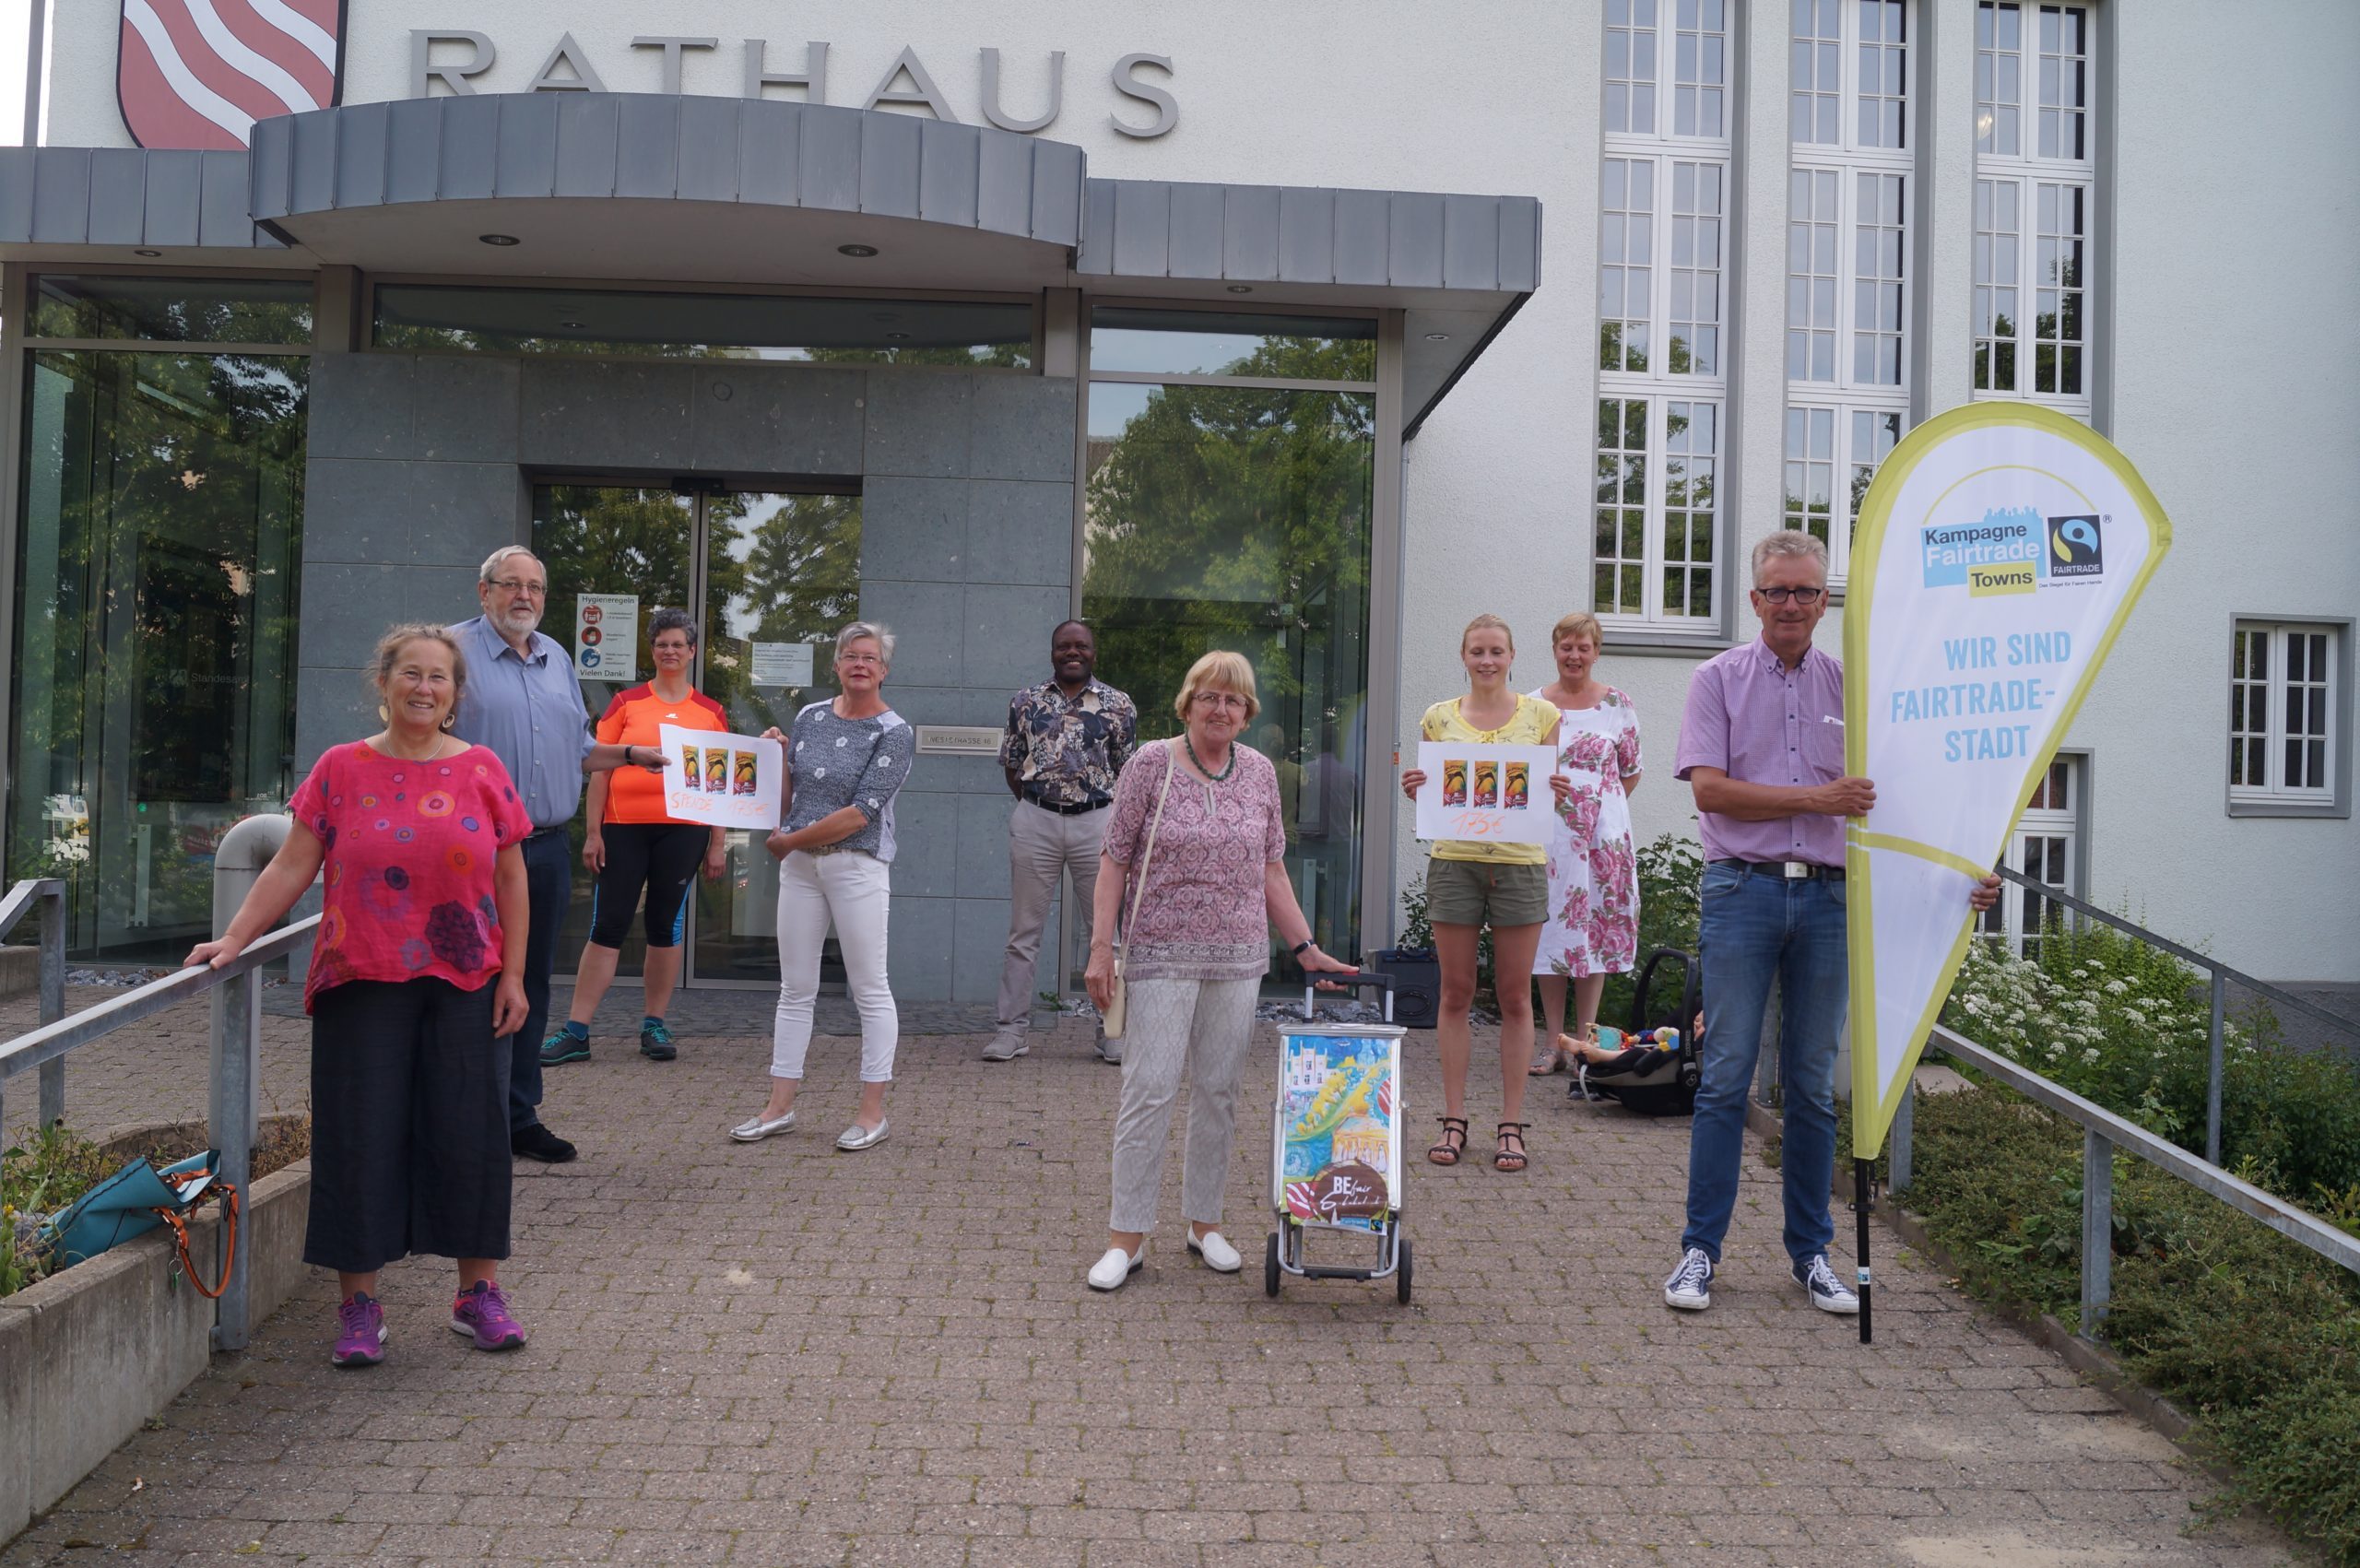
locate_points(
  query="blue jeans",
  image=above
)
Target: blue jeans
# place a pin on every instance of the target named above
(1758, 928)
(549, 886)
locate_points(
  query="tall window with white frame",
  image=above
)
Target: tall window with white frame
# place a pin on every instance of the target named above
(2036, 164)
(2044, 846)
(1849, 189)
(1663, 259)
(2284, 707)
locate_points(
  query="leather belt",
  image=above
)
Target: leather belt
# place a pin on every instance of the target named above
(1792, 870)
(1064, 809)
(542, 833)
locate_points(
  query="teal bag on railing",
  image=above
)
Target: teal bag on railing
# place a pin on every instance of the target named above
(132, 1202)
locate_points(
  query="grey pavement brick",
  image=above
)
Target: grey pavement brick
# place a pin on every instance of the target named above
(778, 1354)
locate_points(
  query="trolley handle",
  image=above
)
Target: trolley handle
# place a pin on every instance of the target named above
(1360, 981)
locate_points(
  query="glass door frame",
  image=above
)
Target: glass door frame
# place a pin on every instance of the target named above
(700, 492)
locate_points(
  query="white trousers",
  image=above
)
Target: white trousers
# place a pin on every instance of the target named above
(852, 889)
(1208, 1026)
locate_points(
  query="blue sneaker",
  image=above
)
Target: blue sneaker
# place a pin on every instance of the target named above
(565, 1046)
(1827, 1293)
(1691, 1286)
(655, 1040)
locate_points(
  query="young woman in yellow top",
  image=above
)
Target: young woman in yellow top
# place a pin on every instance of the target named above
(1471, 885)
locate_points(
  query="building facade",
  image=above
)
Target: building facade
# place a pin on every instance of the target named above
(1219, 327)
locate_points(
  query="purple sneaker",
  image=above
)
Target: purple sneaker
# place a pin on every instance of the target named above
(482, 1311)
(360, 1339)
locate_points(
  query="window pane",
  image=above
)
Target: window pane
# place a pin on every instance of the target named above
(160, 555)
(1238, 517)
(1622, 439)
(1210, 343)
(725, 326)
(174, 310)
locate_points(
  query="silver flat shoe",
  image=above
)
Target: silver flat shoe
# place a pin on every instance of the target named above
(858, 1137)
(755, 1129)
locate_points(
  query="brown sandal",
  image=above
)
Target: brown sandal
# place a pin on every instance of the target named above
(1506, 1158)
(1445, 1151)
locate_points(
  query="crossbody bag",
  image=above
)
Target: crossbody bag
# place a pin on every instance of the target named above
(1115, 1012)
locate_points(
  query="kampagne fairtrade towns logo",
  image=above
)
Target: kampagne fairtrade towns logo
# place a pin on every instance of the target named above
(2011, 551)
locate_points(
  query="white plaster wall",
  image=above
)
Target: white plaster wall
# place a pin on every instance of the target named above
(2235, 369)
(2235, 230)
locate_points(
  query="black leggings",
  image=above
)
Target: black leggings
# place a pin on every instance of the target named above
(662, 857)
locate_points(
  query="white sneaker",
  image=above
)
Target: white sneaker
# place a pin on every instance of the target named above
(1218, 1255)
(1007, 1045)
(1109, 1272)
(1691, 1286)
(858, 1137)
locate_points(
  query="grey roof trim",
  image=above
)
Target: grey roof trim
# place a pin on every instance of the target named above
(657, 146)
(1466, 362)
(1296, 235)
(78, 196)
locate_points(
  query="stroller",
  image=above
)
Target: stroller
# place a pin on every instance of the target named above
(1662, 1062)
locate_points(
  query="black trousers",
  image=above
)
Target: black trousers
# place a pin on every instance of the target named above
(549, 884)
(663, 858)
(409, 1124)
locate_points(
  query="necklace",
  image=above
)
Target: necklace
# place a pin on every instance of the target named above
(1211, 777)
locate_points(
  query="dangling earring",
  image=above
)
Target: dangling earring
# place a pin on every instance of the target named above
(384, 717)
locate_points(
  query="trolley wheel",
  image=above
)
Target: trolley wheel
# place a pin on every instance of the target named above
(1271, 1266)
(1401, 1277)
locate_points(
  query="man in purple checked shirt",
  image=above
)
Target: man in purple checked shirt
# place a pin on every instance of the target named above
(1762, 744)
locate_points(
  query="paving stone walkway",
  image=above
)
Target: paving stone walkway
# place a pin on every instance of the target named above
(783, 1355)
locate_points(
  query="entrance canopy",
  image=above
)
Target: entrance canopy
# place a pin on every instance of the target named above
(654, 188)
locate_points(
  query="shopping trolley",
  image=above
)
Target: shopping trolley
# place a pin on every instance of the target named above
(1336, 1144)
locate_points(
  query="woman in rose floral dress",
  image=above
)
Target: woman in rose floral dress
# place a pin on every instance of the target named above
(1593, 927)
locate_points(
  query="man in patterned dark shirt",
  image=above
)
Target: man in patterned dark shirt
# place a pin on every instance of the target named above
(1066, 739)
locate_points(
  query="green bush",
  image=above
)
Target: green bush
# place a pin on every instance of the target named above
(2257, 1338)
(44, 1174)
(2128, 1026)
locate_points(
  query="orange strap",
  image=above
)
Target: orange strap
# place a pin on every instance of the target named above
(229, 1253)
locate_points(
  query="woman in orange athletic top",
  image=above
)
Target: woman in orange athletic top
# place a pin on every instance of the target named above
(634, 845)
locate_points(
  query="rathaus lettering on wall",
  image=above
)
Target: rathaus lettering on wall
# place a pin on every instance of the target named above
(452, 57)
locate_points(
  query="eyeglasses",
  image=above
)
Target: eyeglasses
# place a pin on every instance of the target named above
(1222, 699)
(1803, 596)
(518, 585)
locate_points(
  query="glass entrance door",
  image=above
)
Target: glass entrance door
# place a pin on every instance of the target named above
(769, 576)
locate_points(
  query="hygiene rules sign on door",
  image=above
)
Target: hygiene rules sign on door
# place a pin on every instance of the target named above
(605, 637)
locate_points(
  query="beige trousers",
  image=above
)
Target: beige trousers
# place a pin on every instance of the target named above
(1042, 847)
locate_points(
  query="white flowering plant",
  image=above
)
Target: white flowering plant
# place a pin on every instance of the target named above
(2130, 1026)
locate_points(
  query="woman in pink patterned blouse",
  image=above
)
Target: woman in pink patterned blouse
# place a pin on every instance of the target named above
(1203, 813)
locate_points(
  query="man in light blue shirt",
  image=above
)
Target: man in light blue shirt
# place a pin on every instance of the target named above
(522, 702)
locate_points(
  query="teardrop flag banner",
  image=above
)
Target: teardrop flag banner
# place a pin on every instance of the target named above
(1998, 554)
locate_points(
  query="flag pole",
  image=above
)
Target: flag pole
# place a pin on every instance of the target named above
(1861, 1171)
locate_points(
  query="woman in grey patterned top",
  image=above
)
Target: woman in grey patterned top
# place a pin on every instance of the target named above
(845, 760)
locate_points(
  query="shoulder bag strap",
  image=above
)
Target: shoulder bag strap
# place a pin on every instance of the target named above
(1131, 910)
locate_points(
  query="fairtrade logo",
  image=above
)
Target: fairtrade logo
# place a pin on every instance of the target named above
(2076, 548)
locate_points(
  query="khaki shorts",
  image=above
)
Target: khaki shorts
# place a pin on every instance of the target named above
(1485, 892)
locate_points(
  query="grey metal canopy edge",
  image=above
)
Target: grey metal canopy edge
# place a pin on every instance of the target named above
(350, 184)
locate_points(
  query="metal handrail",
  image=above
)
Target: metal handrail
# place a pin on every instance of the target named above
(2103, 1132)
(47, 894)
(2221, 975)
(54, 1040)
(2261, 987)
(237, 1032)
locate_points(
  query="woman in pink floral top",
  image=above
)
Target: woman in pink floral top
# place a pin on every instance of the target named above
(417, 971)
(1593, 926)
(1202, 813)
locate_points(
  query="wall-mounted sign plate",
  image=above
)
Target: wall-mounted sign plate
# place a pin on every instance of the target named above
(959, 740)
